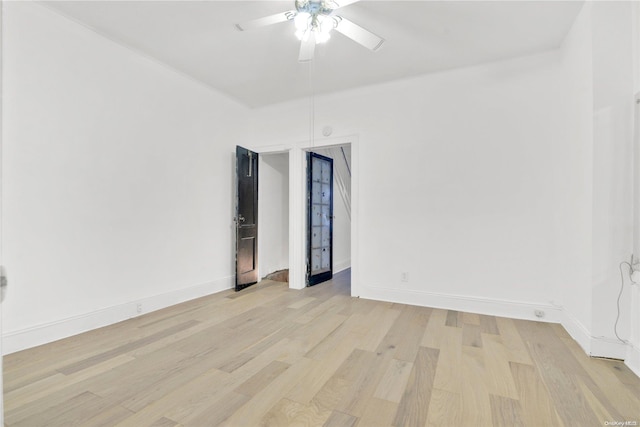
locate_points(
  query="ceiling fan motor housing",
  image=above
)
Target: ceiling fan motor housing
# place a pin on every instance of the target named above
(315, 7)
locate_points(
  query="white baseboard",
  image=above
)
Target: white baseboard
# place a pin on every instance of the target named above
(633, 359)
(577, 330)
(339, 266)
(52, 331)
(593, 346)
(489, 306)
(608, 347)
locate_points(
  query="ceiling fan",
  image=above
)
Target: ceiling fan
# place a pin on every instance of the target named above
(314, 20)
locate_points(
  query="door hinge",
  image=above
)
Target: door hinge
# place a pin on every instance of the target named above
(3, 277)
(3, 282)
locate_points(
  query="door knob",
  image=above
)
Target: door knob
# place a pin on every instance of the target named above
(241, 218)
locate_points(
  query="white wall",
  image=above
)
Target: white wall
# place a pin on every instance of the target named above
(633, 353)
(456, 182)
(117, 180)
(599, 104)
(273, 211)
(612, 168)
(574, 184)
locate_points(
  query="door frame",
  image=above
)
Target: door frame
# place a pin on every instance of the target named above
(298, 203)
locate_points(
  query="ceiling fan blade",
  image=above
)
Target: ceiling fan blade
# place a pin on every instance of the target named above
(307, 48)
(358, 34)
(343, 3)
(267, 20)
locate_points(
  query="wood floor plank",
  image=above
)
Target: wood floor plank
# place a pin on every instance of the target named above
(499, 379)
(349, 383)
(40, 389)
(452, 319)
(331, 393)
(403, 338)
(344, 332)
(198, 398)
(70, 413)
(488, 325)
(412, 410)
(471, 335)
(165, 422)
(378, 413)
(331, 306)
(434, 331)
(533, 395)
(218, 411)
(257, 382)
(547, 347)
(444, 409)
(401, 342)
(276, 335)
(109, 354)
(510, 337)
(254, 410)
(392, 385)
(449, 375)
(301, 303)
(505, 412)
(596, 405)
(339, 419)
(321, 371)
(362, 390)
(154, 386)
(314, 333)
(107, 418)
(560, 372)
(471, 319)
(290, 413)
(379, 328)
(476, 406)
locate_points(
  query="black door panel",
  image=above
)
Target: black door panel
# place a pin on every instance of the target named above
(320, 218)
(246, 218)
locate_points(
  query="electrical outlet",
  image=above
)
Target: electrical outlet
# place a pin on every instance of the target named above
(139, 307)
(404, 276)
(539, 313)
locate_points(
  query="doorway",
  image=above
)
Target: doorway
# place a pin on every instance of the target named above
(341, 204)
(297, 235)
(273, 214)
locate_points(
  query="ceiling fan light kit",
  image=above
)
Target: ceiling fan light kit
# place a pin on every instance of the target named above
(320, 25)
(314, 20)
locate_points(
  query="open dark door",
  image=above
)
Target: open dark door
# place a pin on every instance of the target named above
(320, 220)
(246, 218)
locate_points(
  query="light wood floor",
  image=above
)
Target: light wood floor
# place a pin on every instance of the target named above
(272, 356)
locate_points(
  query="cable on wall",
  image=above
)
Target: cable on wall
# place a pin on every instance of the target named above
(615, 326)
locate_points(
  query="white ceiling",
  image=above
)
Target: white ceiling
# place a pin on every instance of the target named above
(260, 67)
